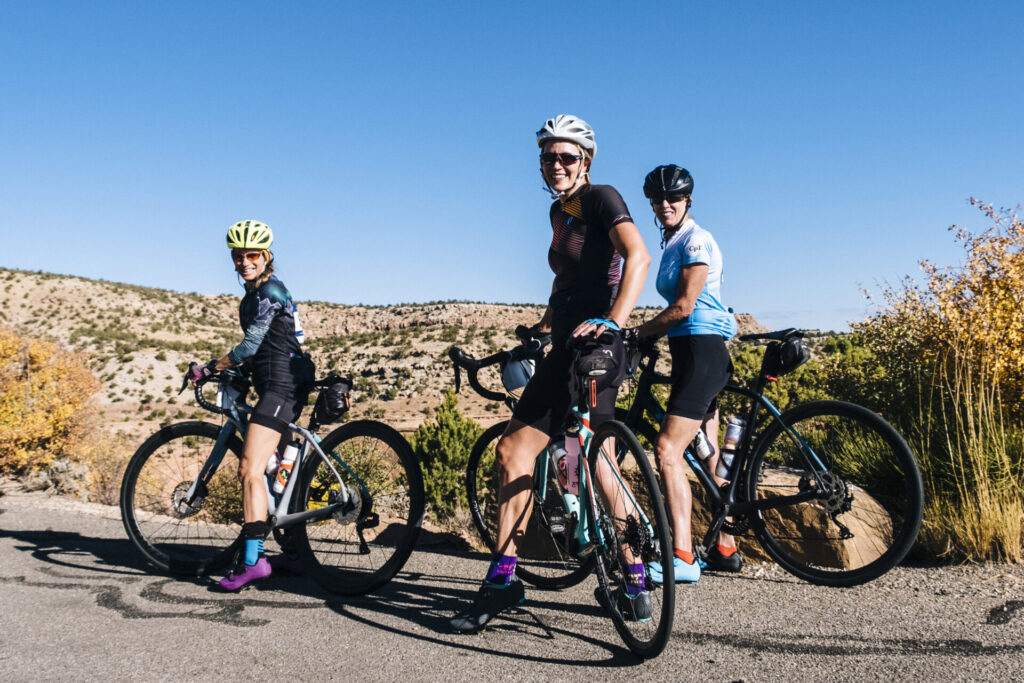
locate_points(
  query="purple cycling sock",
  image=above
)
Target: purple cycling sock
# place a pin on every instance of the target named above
(501, 570)
(635, 578)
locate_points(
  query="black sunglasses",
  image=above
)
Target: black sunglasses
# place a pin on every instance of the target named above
(672, 198)
(550, 158)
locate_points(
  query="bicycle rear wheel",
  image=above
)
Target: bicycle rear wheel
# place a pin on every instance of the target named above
(545, 560)
(867, 511)
(632, 520)
(174, 536)
(357, 551)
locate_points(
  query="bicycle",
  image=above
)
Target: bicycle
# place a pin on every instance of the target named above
(807, 482)
(617, 516)
(352, 509)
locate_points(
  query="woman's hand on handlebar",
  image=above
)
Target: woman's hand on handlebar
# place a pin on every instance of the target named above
(595, 327)
(197, 372)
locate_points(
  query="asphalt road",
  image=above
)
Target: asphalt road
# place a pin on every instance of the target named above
(79, 604)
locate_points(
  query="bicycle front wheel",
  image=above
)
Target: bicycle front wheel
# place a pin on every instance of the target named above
(545, 559)
(868, 500)
(174, 534)
(360, 547)
(634, 530)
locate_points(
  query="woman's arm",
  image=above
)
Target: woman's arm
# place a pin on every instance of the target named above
(691, 281)
(630, 245)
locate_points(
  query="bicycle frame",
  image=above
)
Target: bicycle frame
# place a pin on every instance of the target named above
(237, 420)
(588, 532)
(726, 500)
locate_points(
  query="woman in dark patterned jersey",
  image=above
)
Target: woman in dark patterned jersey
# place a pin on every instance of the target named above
(600, 264)
(281, 375)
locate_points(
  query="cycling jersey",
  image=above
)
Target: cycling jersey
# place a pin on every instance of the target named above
(587, 268)
(272, 332)
(692, 244)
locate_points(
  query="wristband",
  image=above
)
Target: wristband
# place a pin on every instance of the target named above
(610, 324)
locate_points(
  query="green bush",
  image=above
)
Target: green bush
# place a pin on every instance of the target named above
(443, 446)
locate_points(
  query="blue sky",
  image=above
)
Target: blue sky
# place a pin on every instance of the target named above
(391, 146)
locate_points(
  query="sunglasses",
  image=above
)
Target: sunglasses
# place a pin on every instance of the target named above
(250, 256)
(550, 158)
(670, 198)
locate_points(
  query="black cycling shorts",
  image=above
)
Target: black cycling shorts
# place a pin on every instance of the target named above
(545, 402)
(700, 368)
(276, 410)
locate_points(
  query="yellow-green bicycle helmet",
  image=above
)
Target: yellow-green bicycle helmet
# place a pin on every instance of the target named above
(250, 235)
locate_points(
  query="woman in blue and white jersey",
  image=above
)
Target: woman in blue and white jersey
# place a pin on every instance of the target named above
(698, 324)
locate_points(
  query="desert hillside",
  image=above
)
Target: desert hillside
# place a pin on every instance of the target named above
(138, 341)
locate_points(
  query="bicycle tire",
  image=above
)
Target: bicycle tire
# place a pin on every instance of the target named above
(544, 558)
(184, 541)
(389, 486)
(622, 528)
(880, 497)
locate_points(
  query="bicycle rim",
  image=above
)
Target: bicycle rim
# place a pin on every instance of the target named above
(176, 537)
(867, 510)
(545, 560)
(632, 519)
(358, 550)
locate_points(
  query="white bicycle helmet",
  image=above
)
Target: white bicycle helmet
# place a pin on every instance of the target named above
(515, 374)
(570, 128)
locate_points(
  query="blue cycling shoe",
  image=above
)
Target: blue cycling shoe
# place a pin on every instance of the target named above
(685, 573)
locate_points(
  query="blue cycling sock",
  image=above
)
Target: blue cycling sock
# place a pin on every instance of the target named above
(253, 550)
(501, 570)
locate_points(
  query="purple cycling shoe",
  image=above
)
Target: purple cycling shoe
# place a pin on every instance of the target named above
(243, 574)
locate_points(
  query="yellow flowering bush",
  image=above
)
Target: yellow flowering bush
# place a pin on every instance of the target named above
(951, 368)
(45, 413)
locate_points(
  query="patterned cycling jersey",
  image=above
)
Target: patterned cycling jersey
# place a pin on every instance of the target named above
(587, 268)
(692, 244)
(272, 332)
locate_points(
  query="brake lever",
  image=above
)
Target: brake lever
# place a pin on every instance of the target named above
(458, 377)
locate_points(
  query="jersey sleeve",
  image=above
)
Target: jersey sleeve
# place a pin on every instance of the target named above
(605, 207)
(270, 300)
(696, 249)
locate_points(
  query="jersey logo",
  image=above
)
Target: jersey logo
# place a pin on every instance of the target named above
(574, 207)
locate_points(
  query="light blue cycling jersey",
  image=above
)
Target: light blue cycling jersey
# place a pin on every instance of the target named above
(693, 244)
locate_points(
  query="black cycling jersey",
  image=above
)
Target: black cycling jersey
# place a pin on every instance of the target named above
(267, 315)
(587, 268)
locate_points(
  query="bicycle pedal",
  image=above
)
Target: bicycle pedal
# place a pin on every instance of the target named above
(369, 521)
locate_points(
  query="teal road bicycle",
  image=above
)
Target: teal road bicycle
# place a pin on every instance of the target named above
(615, 517)
(352, 509)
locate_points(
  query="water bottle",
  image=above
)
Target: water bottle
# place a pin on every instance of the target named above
(733, 434)
(272, 464)
(567, 460)
(701, 446)
(284, 470)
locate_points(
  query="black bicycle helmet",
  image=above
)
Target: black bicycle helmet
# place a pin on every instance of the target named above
(669, 179)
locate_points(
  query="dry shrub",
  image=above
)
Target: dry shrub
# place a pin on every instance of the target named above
(952, 358)
(45, 410)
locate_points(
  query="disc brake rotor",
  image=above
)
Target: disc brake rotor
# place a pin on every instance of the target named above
(836, 497)
(180, 507)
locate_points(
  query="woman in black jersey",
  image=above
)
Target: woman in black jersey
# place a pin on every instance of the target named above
(281, 376)
(593, 290)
